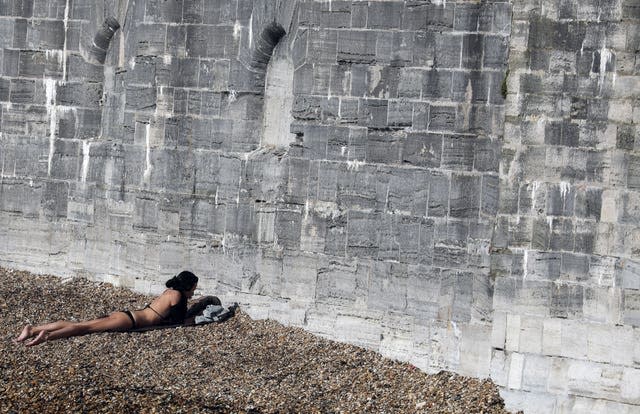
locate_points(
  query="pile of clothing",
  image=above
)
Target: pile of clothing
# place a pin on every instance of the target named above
(209, 309)
(216, 313)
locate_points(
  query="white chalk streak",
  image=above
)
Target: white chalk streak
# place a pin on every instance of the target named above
(86, 146)
(148, 167)
(50, 90)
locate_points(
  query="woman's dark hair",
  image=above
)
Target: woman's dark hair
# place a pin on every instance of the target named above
(184, 281)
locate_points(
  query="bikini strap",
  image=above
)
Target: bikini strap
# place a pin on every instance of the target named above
(156, 312)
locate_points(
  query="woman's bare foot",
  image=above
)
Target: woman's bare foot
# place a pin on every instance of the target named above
(42, 337)
(26, 333)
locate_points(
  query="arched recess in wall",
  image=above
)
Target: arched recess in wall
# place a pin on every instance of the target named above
(270, 55)
(97, 51)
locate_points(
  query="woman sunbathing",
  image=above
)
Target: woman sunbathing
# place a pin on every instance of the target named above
(168, 308)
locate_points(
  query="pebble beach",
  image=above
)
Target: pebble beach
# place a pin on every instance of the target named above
(239, 366)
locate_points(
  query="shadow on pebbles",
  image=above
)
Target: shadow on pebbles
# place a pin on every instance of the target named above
(240, 366)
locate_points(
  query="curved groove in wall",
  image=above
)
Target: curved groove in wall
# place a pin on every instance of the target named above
(264, 46)
(102, 39)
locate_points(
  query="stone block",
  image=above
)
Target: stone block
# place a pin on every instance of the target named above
(141, 98)
(184, 72)
(5, 89)
(387, 15)
(627, 274)
(396, 340)
(37, 64)
(574, 339)
(373, 113)
(384, 146)
(65, 159)
(22, 91)
(45, 34)
(499, 330)
(452, 233)
(537, 369)
(442, 118)
(338, 15)
(422, 149)
(500, 362)
(54, 199)
(489, 196)
(512, 332)
(343, 283)
(336, 236)
(496, 49)
(220, 12)
(630, 385)
(516, 371)
(472, 47)
(475, 348)
(359, 14)
(21, 197)
(410, 83)
(631, 307)
(450, 257)
(150, 39)
(471, 87)
(610, 344)
(359, 330)
(241, 221)
(400, 113)
(209, 41)
(628, 210)
(169, 12)
(288, 228)
(362, 230)
(439, 188)
(458, 152)
(322, 46)
(387, 287)
(424, 45)
(172, 170)
(423, 287)
(562, 236)
(464, 201)
(214, 75)
(592, 379)
(567, 301)
(448, 50)
(440, 17)
(437, 83)
(192, 11)
(356, 46)
(194, 102)
(531, 335)
(18, 36)
(533, 297)
(145, 214)
(389, 245)
(407, 192)
(575, 266)
(532, 402)
(466, 17)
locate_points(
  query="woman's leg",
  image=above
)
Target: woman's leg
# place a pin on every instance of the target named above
(28, 331)
(117, 321)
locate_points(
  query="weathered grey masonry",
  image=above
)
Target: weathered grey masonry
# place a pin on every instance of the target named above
(453, 183)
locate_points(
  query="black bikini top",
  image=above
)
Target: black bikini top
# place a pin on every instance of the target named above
(177, 312)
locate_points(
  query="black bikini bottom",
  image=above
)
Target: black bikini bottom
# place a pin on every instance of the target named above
(130, 315)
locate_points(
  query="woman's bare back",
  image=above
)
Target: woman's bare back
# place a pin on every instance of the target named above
(157, 312)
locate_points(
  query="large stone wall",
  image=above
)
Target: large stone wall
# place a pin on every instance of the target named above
(447, 182)
(566, 235)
